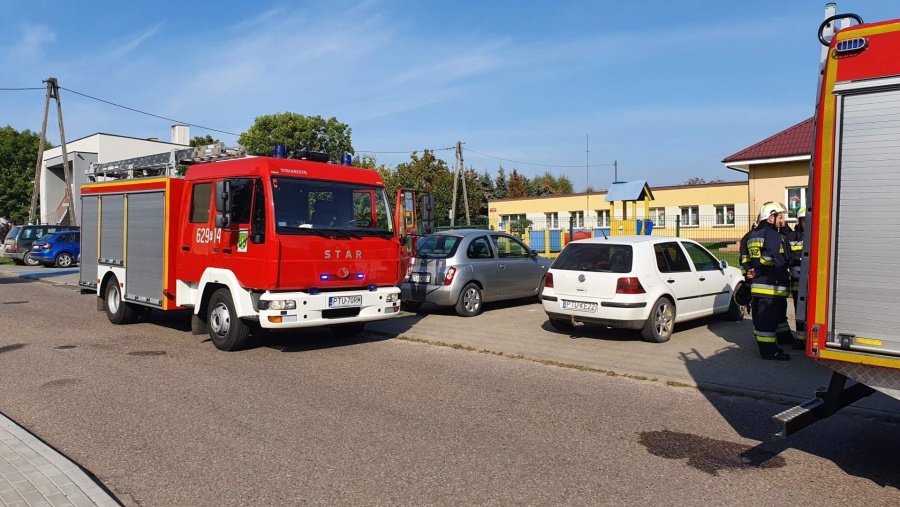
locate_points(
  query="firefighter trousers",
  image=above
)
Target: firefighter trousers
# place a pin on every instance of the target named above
(770, 323)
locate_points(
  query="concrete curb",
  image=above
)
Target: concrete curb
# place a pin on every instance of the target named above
(46, 476)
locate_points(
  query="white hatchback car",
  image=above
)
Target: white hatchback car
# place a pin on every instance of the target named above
(638, 282)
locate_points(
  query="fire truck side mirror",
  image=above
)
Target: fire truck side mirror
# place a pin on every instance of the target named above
(427, 213)
(223, 203)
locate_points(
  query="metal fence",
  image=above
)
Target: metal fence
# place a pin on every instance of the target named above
(717, 232)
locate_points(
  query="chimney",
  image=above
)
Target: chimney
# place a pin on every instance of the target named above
(181, 134)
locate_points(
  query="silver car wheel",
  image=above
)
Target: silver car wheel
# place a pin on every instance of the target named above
(472, 299)
(663, 319)
(220, 320)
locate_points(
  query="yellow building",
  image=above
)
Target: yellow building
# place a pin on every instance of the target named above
(713, 212)
(777, 168)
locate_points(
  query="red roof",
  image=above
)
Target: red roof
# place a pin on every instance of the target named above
(791, 142)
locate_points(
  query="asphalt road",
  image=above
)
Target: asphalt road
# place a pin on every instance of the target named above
(162, 418)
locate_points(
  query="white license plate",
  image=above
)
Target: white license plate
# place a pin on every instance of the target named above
(579, 306)
(420, 277)
(344, 301)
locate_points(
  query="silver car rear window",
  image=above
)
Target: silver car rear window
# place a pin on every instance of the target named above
(593, 257)
(437, 247)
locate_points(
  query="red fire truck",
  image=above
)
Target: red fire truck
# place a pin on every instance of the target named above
(848, 296)
(245, 242)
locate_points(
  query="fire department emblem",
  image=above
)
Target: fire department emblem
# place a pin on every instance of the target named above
(343, 272)
(581, 278)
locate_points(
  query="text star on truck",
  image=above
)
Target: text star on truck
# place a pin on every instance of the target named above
(849, 300)
(245, 242)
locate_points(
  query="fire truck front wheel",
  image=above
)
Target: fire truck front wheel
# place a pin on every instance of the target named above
(118, 311)
(226, 330)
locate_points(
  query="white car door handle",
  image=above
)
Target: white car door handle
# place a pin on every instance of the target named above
(670, 280)
(702, 279)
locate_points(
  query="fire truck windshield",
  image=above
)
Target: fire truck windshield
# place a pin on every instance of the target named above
(328, 208)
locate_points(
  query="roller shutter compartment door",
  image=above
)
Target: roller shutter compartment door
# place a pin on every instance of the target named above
(90, 221)
(146, 229)
(867, 248)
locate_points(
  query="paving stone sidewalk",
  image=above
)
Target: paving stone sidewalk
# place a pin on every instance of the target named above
(33, 474)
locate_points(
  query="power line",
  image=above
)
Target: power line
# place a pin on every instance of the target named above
(535, 164)
(150, 114)
(407, 152)
(21, 89)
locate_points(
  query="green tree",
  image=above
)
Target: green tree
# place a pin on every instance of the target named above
(486, 184)
(18, 156)
(501, 186)
(518, 185)
(546, 184)
(203, 141)
(294, 132)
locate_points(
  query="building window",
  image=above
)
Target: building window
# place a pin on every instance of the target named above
(552, 220)
(602, 218)
(658, 217)
(795, 199)
(578, 218)
(725, 214)
(510, 219)
(690, 216)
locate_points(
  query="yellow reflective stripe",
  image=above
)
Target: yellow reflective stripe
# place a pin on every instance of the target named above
(766, 261)
(757, 242)
(764, 338)
(783, 327)
(766, 291)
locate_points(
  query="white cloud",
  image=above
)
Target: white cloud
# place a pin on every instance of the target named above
(134, 43)
(31, 44)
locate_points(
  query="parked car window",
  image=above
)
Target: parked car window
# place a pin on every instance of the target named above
(479, 248)
(508, 247)
(437, 247)
(703, 260)
(670, 258)
(594, 257)
(200, 201)
(13, 232)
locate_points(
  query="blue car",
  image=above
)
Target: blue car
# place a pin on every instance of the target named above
(57, 249)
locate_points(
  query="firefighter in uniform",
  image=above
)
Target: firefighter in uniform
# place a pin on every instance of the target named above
(742, 296)
(771, 281)
(795, 243)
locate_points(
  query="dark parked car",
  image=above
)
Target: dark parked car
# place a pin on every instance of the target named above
(465, 268)
(58, 249)
(17, 245)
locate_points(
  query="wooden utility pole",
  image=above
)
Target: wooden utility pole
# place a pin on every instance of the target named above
(458, 172)
(52, 93)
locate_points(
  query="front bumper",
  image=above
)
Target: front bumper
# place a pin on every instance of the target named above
(312, 310)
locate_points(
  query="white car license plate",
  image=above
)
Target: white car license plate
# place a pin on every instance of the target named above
(420, 277)
(344, 301)
(579, 306)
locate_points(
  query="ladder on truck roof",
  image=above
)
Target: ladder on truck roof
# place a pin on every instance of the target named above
(161, 164)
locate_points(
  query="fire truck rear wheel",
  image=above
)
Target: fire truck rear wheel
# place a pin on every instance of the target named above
(117, 310)
(226, 330)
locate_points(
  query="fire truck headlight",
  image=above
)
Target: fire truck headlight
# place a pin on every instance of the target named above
(282, 304)
(391, 298)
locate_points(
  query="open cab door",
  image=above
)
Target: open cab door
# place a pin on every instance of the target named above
(412, 221)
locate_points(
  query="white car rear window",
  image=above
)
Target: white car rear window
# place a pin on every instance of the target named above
(609, 258)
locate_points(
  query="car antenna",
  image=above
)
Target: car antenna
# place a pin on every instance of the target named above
(604, 234)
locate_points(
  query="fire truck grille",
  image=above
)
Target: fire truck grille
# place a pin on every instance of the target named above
(340, 313)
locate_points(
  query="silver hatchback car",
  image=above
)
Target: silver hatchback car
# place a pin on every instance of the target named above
(467, 268)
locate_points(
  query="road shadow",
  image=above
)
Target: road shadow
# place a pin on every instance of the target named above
(12, 280)
(429, 308)
(860, 446)
(11, 347)
(605, 333)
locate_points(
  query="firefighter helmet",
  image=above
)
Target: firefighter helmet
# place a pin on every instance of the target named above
(742, 295)
(769, 209)
(801, 213)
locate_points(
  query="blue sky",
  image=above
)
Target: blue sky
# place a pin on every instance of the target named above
(667, 89)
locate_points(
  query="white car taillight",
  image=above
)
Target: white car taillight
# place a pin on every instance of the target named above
(629, 286)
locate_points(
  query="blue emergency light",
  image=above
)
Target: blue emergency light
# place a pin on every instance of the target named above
(851, 45)
(280, 151)
(347, 159)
